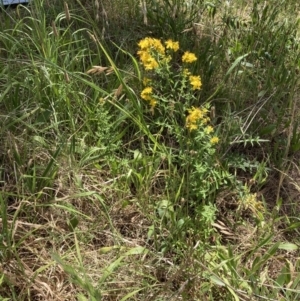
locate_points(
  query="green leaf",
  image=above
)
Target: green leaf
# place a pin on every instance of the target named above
(136, 251)
(73, 223)
(265, 257)
(235, 296)
(180, 223)
(150, 231)
(137, 155)
(105, 250)
(165, 208)
(268, 130)
(1, 279)
(131, 294)
(81, 297)
(293, 226)
(236, 62)
(261, 93)
(264, 242)
(288, 247)
(217, 280)
(284, 277)
(114, 265)
(109, 270)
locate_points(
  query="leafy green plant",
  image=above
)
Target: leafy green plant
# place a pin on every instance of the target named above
(171, 93)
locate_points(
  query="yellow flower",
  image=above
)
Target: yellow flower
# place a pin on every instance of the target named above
(144, 44)
(195, 82)
(152, 102)
(214, 140)
(150, 48)
(192, 126)
(195, 114)
(158, 46)
(146, 93)
(143, 54)
(151, 64)
(147, 60)
(189, 57)
(172, 45)
(149, 43)
(209, 129)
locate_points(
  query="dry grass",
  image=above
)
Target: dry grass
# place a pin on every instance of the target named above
(98, 242)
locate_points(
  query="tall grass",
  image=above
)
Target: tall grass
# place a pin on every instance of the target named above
(178, 186)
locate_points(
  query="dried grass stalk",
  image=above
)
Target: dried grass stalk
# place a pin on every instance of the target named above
(97, 70)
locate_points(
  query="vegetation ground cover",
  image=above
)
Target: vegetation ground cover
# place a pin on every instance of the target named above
(150, 150)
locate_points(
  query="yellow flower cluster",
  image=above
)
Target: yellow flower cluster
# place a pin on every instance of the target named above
(195, 82)
(151, 43)
(172, 45)
(150, 46)
(148, 61)
(154, 54)
(214, 140)
(146, 94)
(198, 116)
(189, 57)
